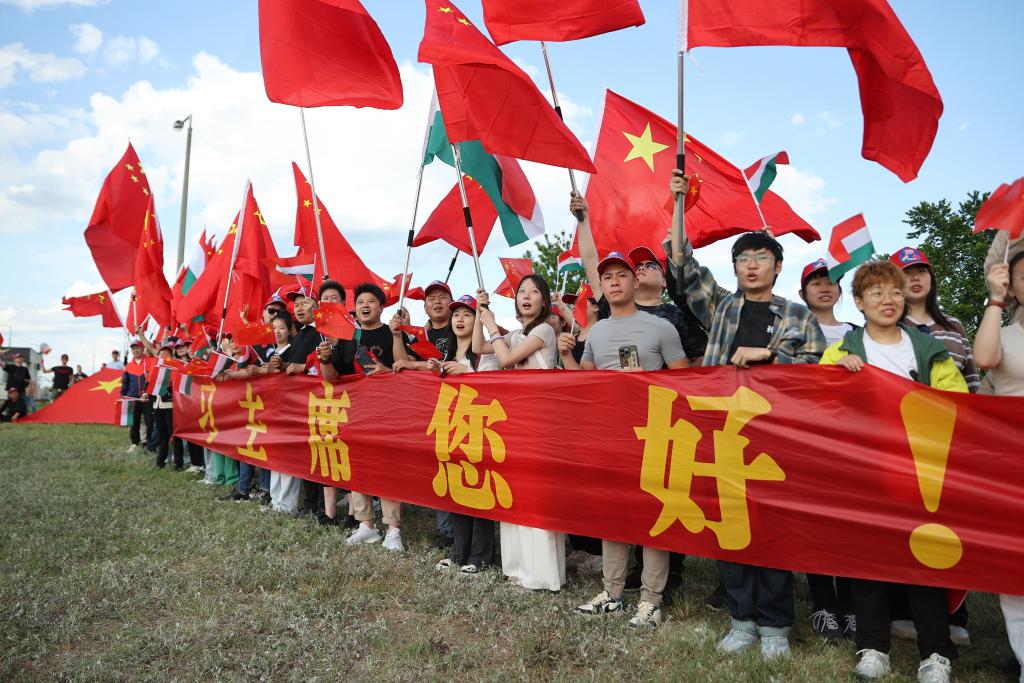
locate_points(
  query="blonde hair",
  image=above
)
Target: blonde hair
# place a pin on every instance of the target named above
(876, 273)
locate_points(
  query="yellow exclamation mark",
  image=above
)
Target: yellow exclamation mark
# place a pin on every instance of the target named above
(929, 420)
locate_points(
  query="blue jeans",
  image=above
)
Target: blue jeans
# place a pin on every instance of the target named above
(246, 473)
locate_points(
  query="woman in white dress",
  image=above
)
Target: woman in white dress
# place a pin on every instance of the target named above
(531, 558)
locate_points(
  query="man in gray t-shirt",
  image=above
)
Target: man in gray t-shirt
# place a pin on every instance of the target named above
(630, 341)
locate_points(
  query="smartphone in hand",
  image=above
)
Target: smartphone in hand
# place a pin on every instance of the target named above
(629, 357)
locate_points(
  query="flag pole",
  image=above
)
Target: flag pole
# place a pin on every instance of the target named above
(679, 224)
(234, 255)
(415, 209)
(451, 267)
(316, 204)
(558, 110)
(468, 216)
(757, 204)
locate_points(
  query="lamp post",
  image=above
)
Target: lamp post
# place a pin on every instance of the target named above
(178, 125)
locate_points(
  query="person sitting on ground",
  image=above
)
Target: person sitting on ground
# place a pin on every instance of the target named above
(13, 408)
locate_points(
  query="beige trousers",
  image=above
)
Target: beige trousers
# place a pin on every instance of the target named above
(361, 506)
(615, 559)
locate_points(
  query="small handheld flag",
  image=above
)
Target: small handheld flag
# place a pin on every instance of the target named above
(849, 246)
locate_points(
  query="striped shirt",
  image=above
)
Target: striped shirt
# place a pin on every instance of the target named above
(957, 344)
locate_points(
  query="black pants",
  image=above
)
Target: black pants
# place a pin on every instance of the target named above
(195, 452)
(143, 410)
(830, 593)
(586, 544)
(474, 540)
(899, 606)
(164, 419)
(758, 594)
(929, 609)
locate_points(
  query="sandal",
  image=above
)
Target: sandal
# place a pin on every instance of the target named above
(444, 565)
(469, 569)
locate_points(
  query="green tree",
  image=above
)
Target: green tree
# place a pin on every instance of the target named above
(957, 256)
(545, 261)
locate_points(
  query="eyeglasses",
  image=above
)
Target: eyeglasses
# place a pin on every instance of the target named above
(878, 294)
(648, 265)
(761, 258)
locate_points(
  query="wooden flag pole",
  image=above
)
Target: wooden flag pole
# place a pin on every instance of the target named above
(316, 203)
(558, 110)
(468, 216)
(234, 256)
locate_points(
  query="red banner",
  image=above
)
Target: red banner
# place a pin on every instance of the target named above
(804, 468)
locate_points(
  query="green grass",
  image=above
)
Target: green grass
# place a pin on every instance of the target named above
(112, 570)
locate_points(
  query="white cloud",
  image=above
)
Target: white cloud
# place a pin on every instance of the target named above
(798, 119)
(32, 5)
(40, 67)
(963, 126)
(729, 138)
(122, 50)
(88, 38)
(828, 120)
(804, 191)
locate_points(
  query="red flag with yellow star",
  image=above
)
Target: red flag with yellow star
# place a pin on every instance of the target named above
(151, 286)
(333, 320)
(447, 222)
(114, 230)
(515, 270)
(509, 20)
(87, 401)
(254, 333)
(100, 303)
(484, 96)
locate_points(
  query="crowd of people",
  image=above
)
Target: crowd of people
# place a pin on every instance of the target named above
(649, 312)
(22, 389)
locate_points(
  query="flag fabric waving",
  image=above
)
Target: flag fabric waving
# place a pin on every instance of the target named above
(257, 332)
(509, 20)
(88, 401)
(151, 286)
(515, 270)
(569, 262)
(580, 312)
(484, 96)
(421, 344)
(115, 227)
(318, 53)
(901, 104)
(849, 246)
(762, 174)
(100, 303)
(334, 321)
(1003, 210)
(447, 221)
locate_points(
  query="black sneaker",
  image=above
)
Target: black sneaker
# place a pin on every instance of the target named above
(827, 626)
(350, 522)
(634, 580)
(441, 542)
(716, 600)
(323, 520)
(234, 495)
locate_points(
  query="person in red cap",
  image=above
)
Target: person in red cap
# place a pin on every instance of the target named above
(133, 386)
(821, 296)
(306, 339)
(924, 313)
(14, 407)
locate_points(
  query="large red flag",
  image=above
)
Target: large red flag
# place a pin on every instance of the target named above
(901, 104)
(484, 96)
(509, 20)
(1003, 210)
(447, 222)
(100, 303)
(151, 286)
(319, 53)
(87, 401)
(116, 225)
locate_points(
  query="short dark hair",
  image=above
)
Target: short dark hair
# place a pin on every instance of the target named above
(332, 284)
(369, 288)
(1015, 260)
(753, 241)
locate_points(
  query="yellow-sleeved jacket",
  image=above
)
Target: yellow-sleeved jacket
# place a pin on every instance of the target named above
(934, 366)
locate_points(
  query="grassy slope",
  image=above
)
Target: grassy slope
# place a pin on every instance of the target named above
(110, 569)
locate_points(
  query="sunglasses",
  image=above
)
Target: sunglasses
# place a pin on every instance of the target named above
(648, 265)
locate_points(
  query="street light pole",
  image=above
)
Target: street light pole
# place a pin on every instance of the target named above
(178, 125)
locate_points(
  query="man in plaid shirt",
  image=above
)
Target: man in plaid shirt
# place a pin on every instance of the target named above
(747, 327)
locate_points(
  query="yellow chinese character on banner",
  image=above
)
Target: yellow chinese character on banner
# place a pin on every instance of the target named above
(325, 414)
(670, 479)
(206, 393)
(251, 405)
(465, 427)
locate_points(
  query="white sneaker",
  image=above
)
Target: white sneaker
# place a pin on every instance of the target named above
(935, 669)
(647, 614)
(960, 636)
(736, 640)
(132, 449)
(774, 647)
(444, 565)
(393, 541)
(601, 603)
(363, 534)
(903, 628)
(873, 665)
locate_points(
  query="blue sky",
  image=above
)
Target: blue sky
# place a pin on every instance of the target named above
(79, 78)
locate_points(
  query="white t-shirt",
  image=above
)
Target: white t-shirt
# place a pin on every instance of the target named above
(898, 358)
(834, 333)
(1008, 377)
(114, 365)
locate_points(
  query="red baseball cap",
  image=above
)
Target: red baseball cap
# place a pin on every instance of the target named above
(569, 299)
(275, 298)
(304, 292)
(464, 300)
(614, 257)
(437, 284)
(910, 256)
(812, 268)
(644, 254)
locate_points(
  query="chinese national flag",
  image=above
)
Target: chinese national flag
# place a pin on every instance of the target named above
(1003, 210)
(115, 228)
(100, 304)
(515, 270)
(333, 320)
(900, 101)
(509, 20)
(254, 333)
(484, 96)
(580, 312)
(151, 288)
(448, 223)
(422, 347)
(318, 53)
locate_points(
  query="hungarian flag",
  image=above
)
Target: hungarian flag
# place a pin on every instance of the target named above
(100, 303)
(115, 228)
(159, 380)
(509, 20)
(1003, 210)
(318, 53)
(333, 320)
(257, 332)
(900, 101)
(777, 212)
(88, 401)
(447, 221)
(849, 246)
(762, 174)
(484, 96)
(421, 344)
(190, 271)
(569, 262)
(151, 287)
(580, 312)
(515, 270)
(218, 363)
(124, 415)
(502, 181)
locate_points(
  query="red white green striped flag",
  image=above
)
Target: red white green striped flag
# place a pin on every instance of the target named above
(849, 246)
(185, 385)
(761, 175)
(218, 363)
(159, 381)
(123, 413)
(569, 262)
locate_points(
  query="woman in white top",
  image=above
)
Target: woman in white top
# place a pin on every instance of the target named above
(531, 558)
(284, 489)
(821, 296)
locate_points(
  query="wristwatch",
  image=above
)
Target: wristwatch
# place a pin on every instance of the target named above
(993, 302)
